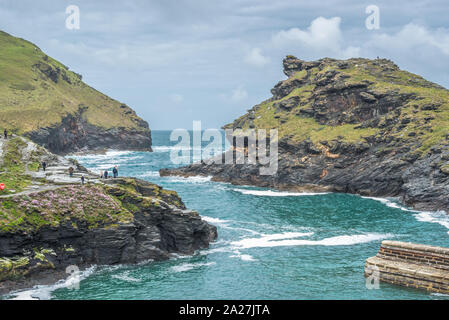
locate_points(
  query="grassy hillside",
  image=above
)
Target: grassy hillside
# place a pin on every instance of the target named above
(37, 91)
(350, 100)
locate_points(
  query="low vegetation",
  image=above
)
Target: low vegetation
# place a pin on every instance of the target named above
(37, 91)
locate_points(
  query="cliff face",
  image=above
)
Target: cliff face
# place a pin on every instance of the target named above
(356, 126)
(49, 221)
(42, 99)
(75, 133)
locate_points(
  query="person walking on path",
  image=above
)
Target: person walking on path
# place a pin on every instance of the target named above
(44, 165)
(5, 133)
(101, 174)
(82, 179)
(71, 172)
(115, 171)
(105, 174)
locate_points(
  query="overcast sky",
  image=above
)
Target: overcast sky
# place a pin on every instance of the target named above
(175, 61)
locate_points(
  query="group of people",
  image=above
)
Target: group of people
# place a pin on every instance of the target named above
(105, 174)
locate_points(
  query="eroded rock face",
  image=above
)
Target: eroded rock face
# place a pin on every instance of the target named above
(74, 134)
(160, 226)
(356, 126)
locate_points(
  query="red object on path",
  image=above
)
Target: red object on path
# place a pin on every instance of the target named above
(2, 186)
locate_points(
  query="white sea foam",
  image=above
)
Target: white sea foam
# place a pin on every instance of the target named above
(288, 239)
(389, 203)
(437, 294)
(149, 174)
(214, 220)
(440, 217)
(243, 257)
(169, 148)
(43, 292)
(107, 155)
(189, 266)
(117, 153)
(224, 226)
(270, 193)
(126, 277)
(192, 179)
(216, 250)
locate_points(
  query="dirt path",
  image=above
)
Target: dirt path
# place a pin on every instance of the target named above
(55, 176)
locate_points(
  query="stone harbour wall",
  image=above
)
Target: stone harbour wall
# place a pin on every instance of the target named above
(411, 265)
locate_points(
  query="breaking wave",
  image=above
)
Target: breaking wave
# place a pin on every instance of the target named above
(270, 193)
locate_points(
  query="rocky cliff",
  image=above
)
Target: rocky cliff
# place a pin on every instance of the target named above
(50, 221)
(356, 126)
(42, 99)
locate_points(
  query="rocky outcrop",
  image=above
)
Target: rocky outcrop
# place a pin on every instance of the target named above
(51, 221)
(42, 99)
(158, 226)
(355, 126)
(75, 134)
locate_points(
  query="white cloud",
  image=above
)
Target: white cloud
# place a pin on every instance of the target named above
(239, 94)
(322, 33)
(255, 58)
(323, 36)
(414, 37)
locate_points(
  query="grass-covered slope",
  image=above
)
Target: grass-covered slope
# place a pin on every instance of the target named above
(50, 219)
(351, 100)
(355, 126)
(38, 92)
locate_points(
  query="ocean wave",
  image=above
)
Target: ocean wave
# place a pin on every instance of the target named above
(189, 266)
(214, 220)
(225, 226)
(125, 277)
(287, 239)
(192, 179)
(243, 257)
(149, 174)
(389, 203)
(43, 292)
(98, 156)
(440, 217)
(270, 193)
(170, 148)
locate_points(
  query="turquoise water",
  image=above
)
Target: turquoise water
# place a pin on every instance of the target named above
(271, 245)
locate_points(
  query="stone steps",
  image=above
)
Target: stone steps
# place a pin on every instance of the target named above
(411, 265)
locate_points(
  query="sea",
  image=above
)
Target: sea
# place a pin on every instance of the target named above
(271, 244)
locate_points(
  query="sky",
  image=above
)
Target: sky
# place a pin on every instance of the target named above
(176, 61)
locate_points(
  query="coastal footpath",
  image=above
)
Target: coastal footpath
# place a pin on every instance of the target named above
(411, 265)
(40, 98)
(49, 220)
(356, 126)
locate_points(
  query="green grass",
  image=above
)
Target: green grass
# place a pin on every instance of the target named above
(29, 99)
(383, 77)
(50, 208)
(13, 169)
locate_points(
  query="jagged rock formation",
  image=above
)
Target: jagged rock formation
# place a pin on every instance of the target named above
(356, 126)
(50, 221)
(410, 265)
(42, 99)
